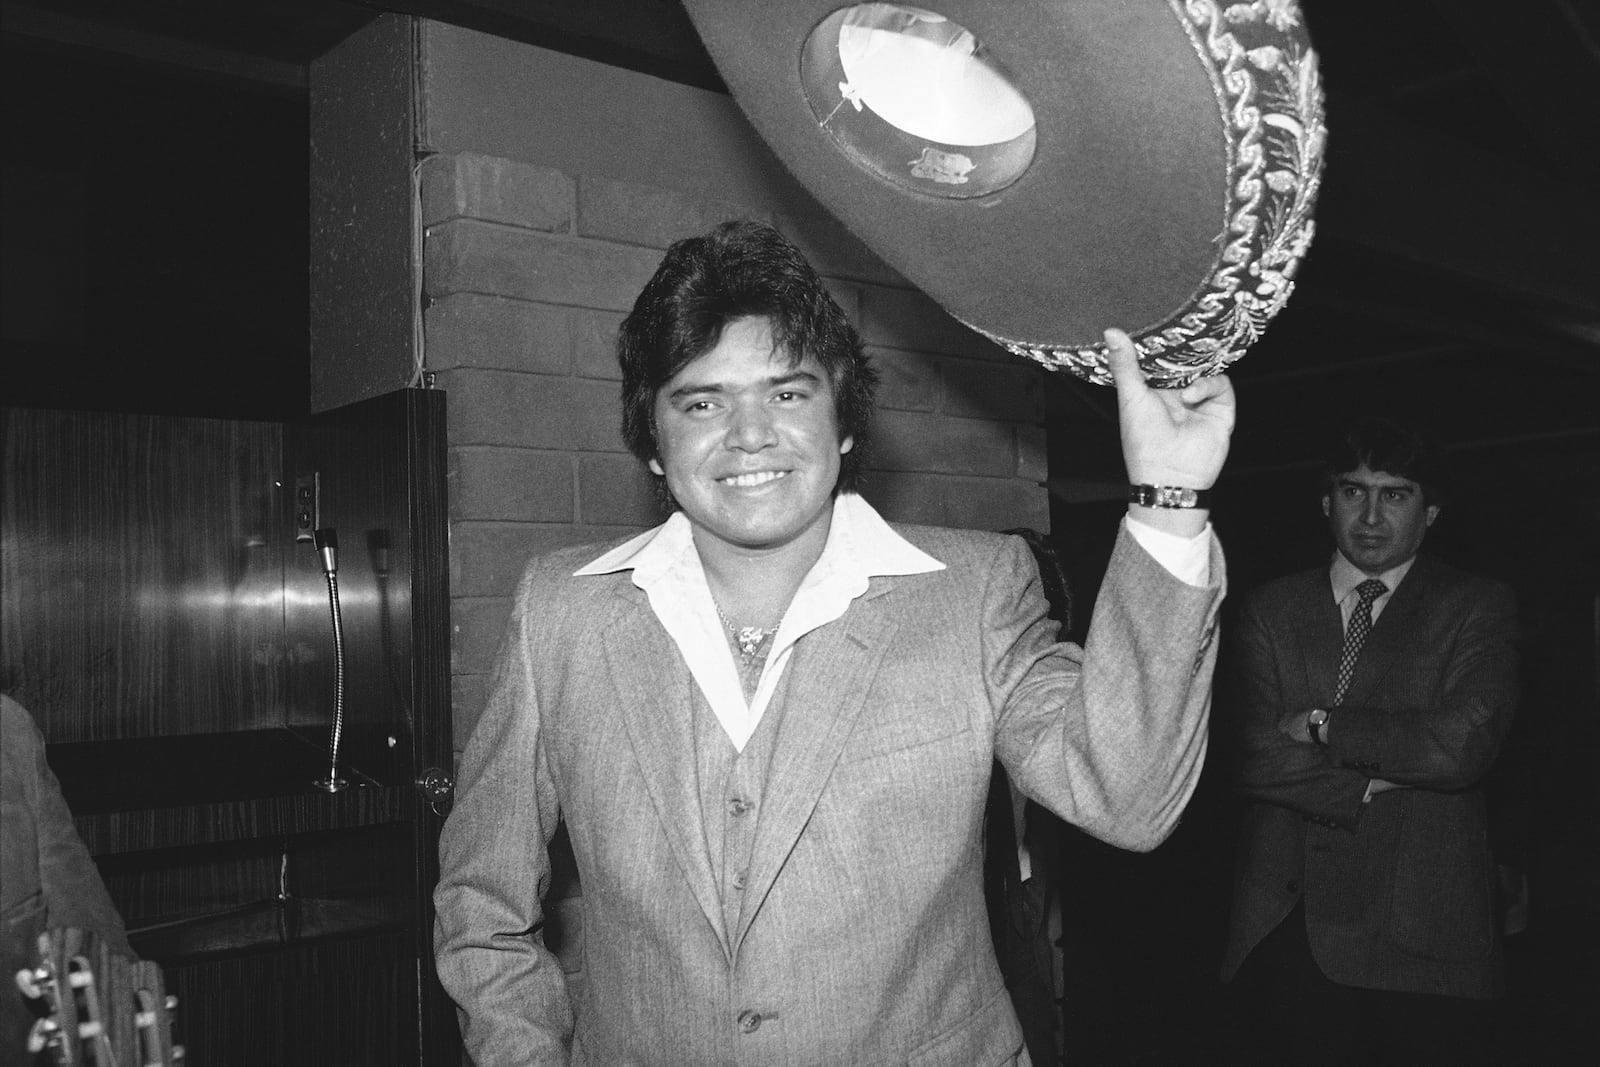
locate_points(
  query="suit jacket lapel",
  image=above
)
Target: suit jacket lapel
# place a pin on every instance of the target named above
(1391, 635)
(1319, 631)
(829, 677)
(651, 680)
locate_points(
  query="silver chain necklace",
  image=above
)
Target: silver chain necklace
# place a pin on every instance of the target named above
(750, 639)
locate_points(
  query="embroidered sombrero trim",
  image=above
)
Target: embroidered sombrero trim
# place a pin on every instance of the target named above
(1265, 78)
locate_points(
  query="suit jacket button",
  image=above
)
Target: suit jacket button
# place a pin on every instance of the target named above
(749, 1021)
(1293, 886)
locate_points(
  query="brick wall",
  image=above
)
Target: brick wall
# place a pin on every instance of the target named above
(528, 271)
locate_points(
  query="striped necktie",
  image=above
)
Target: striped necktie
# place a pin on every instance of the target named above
(1355, 635)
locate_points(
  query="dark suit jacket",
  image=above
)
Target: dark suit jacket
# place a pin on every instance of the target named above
(862, 934)
(47, 878)
(1399, 892)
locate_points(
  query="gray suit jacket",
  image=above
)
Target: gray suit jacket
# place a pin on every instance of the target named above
(1399, 893)
(863, 936)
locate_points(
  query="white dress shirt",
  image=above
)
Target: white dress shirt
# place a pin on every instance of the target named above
(1344, 576)
(860, 546)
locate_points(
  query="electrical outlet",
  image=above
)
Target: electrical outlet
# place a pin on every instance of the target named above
(307, 505)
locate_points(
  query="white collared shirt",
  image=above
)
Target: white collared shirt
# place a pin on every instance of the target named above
(666, 566)
(1344, 576)
(860, 547)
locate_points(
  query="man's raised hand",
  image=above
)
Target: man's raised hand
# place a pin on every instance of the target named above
(1173, 437)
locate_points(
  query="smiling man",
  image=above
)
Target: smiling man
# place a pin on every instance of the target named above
(768, 724)
(1376, 692)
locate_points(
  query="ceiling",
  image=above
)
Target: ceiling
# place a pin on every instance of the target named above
(1454, 273)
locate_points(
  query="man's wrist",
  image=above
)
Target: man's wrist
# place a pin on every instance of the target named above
(1186, 556)
(1179, 510)
(1179, 523)
(1177, 497)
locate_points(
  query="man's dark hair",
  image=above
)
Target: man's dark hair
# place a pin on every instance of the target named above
(737, 270)
(1386, 445)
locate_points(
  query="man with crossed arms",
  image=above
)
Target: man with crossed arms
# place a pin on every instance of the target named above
(1374, 696)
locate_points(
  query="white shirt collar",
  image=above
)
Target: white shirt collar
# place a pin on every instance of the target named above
(868, 545)
(666, 566)
(1344, 576)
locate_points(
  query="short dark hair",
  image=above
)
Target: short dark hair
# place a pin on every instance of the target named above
(1387, 445)
(739, 270)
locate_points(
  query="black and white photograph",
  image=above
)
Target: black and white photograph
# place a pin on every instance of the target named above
(799, 533)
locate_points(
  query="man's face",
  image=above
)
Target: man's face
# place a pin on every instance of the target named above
(1378, 519)
(749, 445)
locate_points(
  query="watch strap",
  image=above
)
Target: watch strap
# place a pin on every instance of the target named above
(1168, 496)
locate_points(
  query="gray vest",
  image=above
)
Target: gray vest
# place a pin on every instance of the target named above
(731, 785)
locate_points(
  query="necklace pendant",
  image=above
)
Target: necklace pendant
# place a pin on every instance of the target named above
(750, 638)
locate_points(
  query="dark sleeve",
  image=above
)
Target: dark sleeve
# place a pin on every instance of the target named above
(1447, 719)
(1273, 768)
(73, 893)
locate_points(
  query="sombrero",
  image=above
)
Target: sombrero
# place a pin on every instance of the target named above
(1045, 169)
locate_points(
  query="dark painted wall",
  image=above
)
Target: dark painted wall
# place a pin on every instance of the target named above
(154, 239)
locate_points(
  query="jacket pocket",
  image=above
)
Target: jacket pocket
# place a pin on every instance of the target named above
(1442, 906)
(891, 729)
(989, 1037)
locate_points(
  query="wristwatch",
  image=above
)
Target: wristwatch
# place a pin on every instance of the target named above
(1316, 719)
(1168, 496)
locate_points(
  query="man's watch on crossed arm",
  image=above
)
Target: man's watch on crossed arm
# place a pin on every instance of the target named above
(1316, 721)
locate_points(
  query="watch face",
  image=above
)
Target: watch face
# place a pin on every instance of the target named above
(1318, 716)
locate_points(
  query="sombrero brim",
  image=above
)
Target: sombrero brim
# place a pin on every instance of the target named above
(1177, 157)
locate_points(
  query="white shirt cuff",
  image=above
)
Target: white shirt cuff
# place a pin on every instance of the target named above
(1188, 559)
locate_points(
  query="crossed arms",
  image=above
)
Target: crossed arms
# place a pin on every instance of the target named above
(1437, 724)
